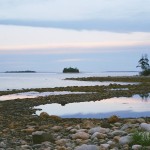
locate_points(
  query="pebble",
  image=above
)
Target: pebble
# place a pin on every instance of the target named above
(87, 147)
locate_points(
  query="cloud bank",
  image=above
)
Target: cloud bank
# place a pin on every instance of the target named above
(104, 15)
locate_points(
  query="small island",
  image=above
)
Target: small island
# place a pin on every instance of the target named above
(26, 71)
(70, 70)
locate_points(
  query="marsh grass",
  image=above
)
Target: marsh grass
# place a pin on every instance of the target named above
(141, 138)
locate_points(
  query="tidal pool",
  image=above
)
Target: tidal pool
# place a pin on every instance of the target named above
(34, 94)
(136, 106)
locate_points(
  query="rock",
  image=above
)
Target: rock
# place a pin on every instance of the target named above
(62, 142)
(145, 126)
(73, 130)
(98, 135)
(88, 124)
(82, 130)
(29, 130)
(125, 147)
(87, 147)
(141, 120)
(125, 140)
(2, 145)
(104, 146)
(118, 132)
(44, 115)
(61, 148)
(37, 146)
(116, 138)
(136, 147)
(111, 143)
(81, 135)
(118, 124)
(26, 147)
(126, 126)
(99, 129)
(40, 136)
(56, 128)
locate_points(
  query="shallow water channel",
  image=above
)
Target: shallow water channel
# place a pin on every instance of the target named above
(136, 106)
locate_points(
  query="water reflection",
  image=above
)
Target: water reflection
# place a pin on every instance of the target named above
(34, 94)
(145, 97)
(123, 107)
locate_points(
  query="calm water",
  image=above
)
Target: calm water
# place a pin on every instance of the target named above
(123, 107)
(135, 106)
(34, 94)
(42, 80)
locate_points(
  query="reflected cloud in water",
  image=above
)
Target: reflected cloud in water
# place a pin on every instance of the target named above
(124, 107)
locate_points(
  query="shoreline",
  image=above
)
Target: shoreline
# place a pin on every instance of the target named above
(19, 122)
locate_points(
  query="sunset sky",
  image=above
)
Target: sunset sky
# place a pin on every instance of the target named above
(92, 35)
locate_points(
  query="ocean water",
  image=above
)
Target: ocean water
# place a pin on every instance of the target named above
(136, 106)
(42, 80)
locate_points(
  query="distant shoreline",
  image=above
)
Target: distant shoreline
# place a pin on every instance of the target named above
(61, 72)
(28, 71)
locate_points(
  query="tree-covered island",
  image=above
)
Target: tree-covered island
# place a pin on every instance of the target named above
(70, 70)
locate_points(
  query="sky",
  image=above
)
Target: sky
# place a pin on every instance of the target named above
(94, 36)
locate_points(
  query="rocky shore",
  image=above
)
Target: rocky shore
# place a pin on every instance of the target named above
(22, 129)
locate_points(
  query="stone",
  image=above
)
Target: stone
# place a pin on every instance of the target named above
(104, 146)
(145, 126)
(125, 147)
(82, 130)
(28, 130)
(127, 126)
(125, 140)
(111, 143)
(61, 142)
(98, 135)
(2, 145)
(118, 124)
(73, 130)
(26, 147)
(141, 120)
(81, 135)
(88, 124)
(136, 147)
(99, 129)
(87, 147)
(40, 136)
(56, 128)
(118, 133)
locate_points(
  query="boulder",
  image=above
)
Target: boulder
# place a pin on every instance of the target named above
(40, 136)
(99, 135)
(118, 133)
(125, 140)
(99, 129)
(145, 127)
(56, 128)
(81, 135)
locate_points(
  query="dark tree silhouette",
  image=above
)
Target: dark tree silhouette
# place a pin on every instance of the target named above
(143, 63)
